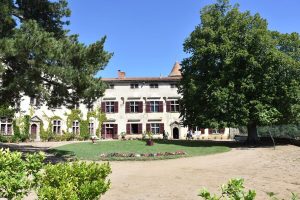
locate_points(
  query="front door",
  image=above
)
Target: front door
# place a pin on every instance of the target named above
(109, 133)
(33, 131)
(175, 133)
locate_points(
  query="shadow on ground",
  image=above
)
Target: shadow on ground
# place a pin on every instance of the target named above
(264, 143)
(52, 155)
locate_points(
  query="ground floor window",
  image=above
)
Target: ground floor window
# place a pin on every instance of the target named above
(154, 128)
(134, 129)
(216, 131)
(91, 128)
(6, 126)
(56, 126)
(75, 127)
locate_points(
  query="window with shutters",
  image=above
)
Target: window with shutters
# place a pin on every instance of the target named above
(6, 126)
(154, 106)
(56, 126)
(154, 128)
(109, 107)
(134, 86)
(134, 106)
(91, 128)
(134, 128)
(153, 85)
(75, 127)
(174, 106)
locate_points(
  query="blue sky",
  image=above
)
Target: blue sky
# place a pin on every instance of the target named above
(146, 36)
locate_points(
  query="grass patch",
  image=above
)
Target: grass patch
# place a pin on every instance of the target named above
(89, 151)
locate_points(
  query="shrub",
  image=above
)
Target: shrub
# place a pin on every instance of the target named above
(18, 176)
(77, 180)
(234, 190)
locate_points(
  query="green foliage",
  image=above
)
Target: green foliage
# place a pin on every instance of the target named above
(84, 129)
(239, 73)
(41, 55)
(99, 116)
(234, 190)
(26, 122)
(74, 115)
(18, 176)
(77, 180)
(5, 111)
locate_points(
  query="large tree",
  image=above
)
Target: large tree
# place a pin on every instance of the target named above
(39, 58)
(238, 72)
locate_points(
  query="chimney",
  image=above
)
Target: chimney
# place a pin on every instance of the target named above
(121, 75)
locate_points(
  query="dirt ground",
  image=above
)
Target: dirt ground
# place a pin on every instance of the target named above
(264, 169)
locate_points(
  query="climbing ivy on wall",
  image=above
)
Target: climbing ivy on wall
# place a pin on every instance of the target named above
(99, 116)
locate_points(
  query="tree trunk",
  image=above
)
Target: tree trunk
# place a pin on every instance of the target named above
(252, 134)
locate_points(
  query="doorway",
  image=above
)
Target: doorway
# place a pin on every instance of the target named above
(33, 131)
(175, 133)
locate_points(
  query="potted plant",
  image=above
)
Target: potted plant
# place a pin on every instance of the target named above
(149, 141)
(123, 134)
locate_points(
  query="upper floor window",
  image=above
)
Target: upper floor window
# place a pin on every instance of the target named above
(56, 126)
(34, 101)
(134, 85)
(174, 106)
(134, 106)
(154, 106)
(75, 127)
(110, 107)
(90, 107)
(153, 85)
(173, 85)
(111, 86)
(6, 126)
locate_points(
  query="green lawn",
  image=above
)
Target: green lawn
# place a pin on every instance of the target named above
(89, 151)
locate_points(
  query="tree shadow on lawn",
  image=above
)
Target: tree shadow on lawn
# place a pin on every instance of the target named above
(230, 144)
(52, 155)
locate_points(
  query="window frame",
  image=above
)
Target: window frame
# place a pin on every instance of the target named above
(155, 128)
(109, 107)
(6, 123)
(174, 106)
(154, 106)
(75, 127)
(91, 128)
(56, 126)
(134, 106)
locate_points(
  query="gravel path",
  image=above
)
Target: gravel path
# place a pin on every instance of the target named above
(264, 169)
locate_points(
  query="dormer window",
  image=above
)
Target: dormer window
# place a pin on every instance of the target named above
(134, 85)
(173, 85)
(153, 85)
(111, 86)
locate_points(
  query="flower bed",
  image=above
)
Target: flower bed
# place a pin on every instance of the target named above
(138, 155)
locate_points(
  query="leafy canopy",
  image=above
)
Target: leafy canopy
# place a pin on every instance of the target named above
(238, 71)
(39, 59)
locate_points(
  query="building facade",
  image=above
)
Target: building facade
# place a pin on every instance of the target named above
(132, 105)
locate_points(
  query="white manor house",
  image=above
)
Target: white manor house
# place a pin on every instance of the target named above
(132, 105)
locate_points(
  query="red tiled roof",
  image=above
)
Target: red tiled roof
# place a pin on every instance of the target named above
(142, 79)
